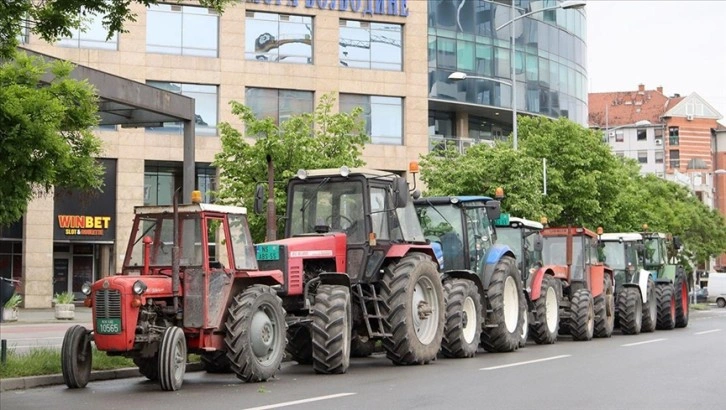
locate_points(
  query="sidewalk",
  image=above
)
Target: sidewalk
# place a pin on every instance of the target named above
(47, 315)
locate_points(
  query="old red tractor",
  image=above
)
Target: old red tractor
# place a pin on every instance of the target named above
(189, 284)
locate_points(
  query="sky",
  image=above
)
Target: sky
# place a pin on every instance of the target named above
(677, 44)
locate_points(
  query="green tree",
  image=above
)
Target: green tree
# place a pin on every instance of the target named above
(321, 139)
(51, 19)
(46, 136)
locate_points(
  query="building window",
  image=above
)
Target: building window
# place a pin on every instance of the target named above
(643, 157)
(205, 106)
(364, 44)
(675, 158)
(278, 37)
(619, 136)
(383, 116)
(659, 157)
(91, 34)
(162, 179)
(620, 154)
(182, 30)
(673, 136)
(642, 134)
(278, 104)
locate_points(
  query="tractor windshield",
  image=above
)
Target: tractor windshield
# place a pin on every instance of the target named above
(614, 255)
(328, 207)
(160, 230)
(555, 253)
(511, 237)
(654, 252)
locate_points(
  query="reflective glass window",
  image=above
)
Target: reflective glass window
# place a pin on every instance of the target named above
(182, 30)
(365, 44)
(91, 34)
(383, 116)
(205, 106)
(281, 38)
(278, 104)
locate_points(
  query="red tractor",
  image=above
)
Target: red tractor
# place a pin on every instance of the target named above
(189, 283)
(358, 269)
(573, 292)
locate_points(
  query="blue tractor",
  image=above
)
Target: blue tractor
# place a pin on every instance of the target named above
(482, 284)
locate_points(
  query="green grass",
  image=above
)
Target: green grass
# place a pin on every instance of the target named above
(44, 361)
(699, 306)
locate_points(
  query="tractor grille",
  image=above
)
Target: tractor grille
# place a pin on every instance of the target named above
(108, 304)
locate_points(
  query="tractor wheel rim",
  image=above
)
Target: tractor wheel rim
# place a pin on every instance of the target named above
(551, 309)
(469, 325)
(511, 304)
(425, 310)
(179, 359)
(262, 334)
(591, 319)
(639, 312)
(684, 298)
(673, 306)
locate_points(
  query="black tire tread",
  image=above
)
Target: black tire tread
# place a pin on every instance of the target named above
(605, 324)
(629, 319)
(166, 357)
(499, 339)
(664, 296)
(76, 370)
(539, 331)
(331, 330)
(649, 323)
(581, 313)
(455, 292)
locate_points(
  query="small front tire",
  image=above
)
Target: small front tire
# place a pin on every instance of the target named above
(76, 357)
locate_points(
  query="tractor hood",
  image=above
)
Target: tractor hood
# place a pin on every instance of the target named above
(156, 285)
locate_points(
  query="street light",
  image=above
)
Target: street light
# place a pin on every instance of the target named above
(565, 5)
(459, 76)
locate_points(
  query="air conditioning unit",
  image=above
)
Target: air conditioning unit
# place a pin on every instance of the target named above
(611, 134)
(658, 141)
(689, 117)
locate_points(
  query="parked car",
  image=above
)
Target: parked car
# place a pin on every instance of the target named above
(717, 288)
(701, 295)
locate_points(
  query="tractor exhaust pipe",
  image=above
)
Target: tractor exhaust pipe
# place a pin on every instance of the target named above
(175, 255)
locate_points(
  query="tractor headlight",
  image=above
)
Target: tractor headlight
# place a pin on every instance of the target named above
(86, 289)
(139, 287)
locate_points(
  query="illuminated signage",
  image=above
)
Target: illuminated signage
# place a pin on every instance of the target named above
(365, 7)
(84, 225)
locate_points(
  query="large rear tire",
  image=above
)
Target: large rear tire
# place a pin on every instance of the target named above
(414, 308)
(650, 310)
(524, 311)
(76, 357)
(148, 366)
(666, 306)
(172, 359)
(582, 315)
(605, 310)
(256, 331)
(216, 362)
(630, 311)
(331, 329)
(546, 313)
(503, 322)
(299, 344)
(464, 319)
(682, 305)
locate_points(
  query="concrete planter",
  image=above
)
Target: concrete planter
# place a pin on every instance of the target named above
(10, 314)
(65, 311)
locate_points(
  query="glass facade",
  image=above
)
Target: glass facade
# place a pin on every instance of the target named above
(182, 30)
(280, 38)
(205, 106)
(383, 116)
(365, 44)
(550, 58)
(91, 34)
(162, 179)
(278, 104)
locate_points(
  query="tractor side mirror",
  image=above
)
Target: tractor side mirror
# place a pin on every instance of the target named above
(400, 192)
(677, 242)
(259, 204)
(538, 243)
(494, 209)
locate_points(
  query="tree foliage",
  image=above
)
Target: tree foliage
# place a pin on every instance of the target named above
(321, 139)
(46, 136)
(586, 185)
(51, 19)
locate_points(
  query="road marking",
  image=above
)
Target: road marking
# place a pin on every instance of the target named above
(527, 362)
(303, 401)
(707, 331)
(642, 343)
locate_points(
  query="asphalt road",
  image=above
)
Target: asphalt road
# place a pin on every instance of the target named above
(676, 369)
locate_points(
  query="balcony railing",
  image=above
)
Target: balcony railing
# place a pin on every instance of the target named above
(439, 142)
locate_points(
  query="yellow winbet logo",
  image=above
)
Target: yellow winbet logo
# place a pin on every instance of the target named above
(83, 225)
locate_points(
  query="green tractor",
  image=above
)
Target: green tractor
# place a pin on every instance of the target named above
(660, 259)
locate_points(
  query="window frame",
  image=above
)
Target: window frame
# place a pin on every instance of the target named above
(180, 49)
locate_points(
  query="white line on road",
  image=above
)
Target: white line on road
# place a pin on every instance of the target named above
(707, 331)
(527, 362)
(642, 343)
(303, 401)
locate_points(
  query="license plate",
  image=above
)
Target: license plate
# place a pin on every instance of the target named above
(268, 252)
(108, 326)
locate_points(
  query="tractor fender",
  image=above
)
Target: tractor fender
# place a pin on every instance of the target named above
(494, 255)
(466, 275)
(643, 284)
(534, 287)
(597, 276)
(334, 278)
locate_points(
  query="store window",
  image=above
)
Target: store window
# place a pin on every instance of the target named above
(91, 34)
(182, 30)
(364, 44)
(278, 104)
(383, 116)
(162, 179)
(282, 38)
(673, 136)
(205, 106)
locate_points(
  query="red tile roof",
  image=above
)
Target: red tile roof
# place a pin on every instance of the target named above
(628, 107)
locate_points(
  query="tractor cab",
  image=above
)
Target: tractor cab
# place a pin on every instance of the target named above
(572, 251)
(525, 239)
(621, 252)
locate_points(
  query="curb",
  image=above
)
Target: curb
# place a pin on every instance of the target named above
(22, 383)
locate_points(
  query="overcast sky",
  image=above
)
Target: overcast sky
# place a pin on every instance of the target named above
(680, 45)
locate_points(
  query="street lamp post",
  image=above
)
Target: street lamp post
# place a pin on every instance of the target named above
(565, 5)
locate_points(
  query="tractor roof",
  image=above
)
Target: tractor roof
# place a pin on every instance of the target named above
(444, 200)
(653, 235)
(515, 222)
(334, 172)
(625, 236)
(575, 231)
(190, 208)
